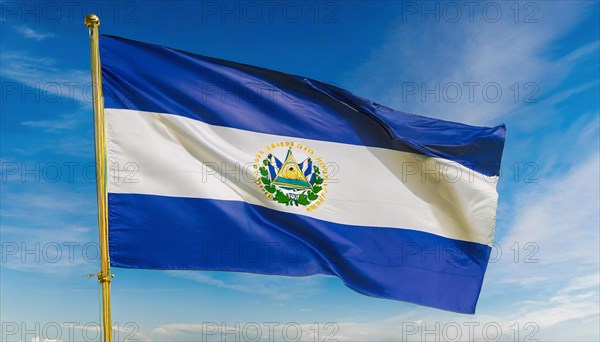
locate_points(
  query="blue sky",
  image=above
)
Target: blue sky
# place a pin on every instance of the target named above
(445, 60)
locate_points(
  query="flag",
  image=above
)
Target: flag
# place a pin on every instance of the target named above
(217, 165)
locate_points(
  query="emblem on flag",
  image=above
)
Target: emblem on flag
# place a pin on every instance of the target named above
(286, 181)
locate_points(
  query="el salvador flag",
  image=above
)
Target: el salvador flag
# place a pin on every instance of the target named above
(216, 165)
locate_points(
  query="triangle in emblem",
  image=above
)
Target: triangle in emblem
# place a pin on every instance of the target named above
(290, 175)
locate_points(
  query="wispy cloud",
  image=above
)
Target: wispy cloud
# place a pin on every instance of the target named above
(559, 216)
(54, 252)
(555, 279)
(69, 121)
(540, 320)
(424, 66)
(30, 33)
(536, 320)
(45, 219)
(49, 201)
(275, 288)
(54, 82)
(37, 339)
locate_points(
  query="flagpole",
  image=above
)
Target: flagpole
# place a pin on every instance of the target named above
(92, 22)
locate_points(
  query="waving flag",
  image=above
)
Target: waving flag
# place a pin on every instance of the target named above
(217, 165)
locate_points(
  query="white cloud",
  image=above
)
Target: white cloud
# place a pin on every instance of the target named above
(30, 33)
(534, 320)
(58, 252)
(44, 229)
(52, 82)
(564, 95)
(427, 55)
(577, 300)
(559, 216)
(275, 287)
(65, 122)
(560, 285)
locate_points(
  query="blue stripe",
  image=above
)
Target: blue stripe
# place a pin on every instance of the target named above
(152, 78)
(157, 232)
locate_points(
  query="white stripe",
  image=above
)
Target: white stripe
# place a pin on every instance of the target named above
(170, 155)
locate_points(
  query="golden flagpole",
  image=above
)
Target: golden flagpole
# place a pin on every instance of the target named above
(92, 22)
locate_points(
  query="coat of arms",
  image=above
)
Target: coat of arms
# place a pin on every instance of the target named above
(289, 182)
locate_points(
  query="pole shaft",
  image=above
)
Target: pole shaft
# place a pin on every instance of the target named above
(104, 276)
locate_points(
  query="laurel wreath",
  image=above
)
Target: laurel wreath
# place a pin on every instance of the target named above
(305, 198)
